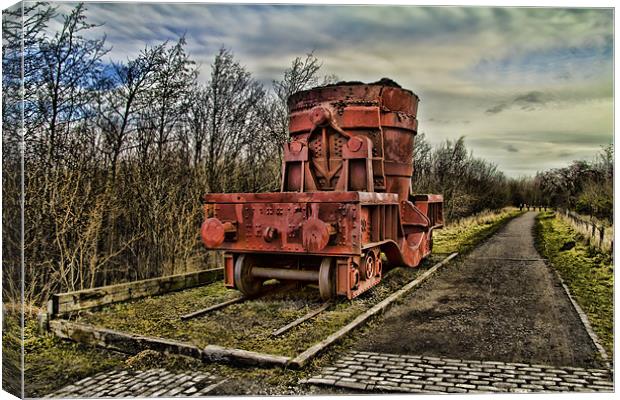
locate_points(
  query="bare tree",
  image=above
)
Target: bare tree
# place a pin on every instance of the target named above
(71, 66)
(197, 125)
(127, 93)
(301, 75)
(232, 111)
(23, 30)
(169, 98)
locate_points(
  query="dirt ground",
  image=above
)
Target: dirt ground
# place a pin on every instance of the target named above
(489, 306)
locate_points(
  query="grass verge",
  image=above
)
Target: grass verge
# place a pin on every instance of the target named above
(11, 353)
(588, 272)
(464, 235)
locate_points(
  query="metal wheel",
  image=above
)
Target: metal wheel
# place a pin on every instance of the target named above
(369, 267)
(244, 281)
(327, 279)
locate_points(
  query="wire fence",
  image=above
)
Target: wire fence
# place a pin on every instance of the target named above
(597, 234)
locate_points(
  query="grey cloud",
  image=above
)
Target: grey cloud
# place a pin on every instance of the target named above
(497, 109)
(531, 97)
(565, 75)
(442, 121)
(528, 101)
(535, 157)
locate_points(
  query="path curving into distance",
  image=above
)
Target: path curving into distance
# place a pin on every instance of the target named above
(501, 302)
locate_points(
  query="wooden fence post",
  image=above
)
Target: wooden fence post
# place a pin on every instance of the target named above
(588, 229)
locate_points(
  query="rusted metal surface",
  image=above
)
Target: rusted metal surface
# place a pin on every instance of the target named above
(345, 197)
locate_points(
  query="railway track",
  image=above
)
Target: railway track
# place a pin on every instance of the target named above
(267, 295)
(274, 328)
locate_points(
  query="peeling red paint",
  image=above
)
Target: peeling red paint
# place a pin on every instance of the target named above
(345, 196)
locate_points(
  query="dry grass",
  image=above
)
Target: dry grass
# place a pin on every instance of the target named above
(588, 272)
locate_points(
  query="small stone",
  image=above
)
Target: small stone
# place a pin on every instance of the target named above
(435, 388)
(483, 388)
(603, 383)
(533, 387)
(601, 388)
(556, 371)
(504, 385)
(465, 386)
(413, 386)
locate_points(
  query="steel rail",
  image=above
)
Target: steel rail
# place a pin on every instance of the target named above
(302, 319)
(268, 289)
(215, 307)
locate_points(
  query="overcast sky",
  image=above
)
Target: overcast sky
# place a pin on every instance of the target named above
(529, 88)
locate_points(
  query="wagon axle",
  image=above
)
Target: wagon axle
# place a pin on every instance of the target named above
(249, 274)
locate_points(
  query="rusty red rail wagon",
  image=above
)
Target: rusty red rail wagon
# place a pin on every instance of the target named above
(345, 197)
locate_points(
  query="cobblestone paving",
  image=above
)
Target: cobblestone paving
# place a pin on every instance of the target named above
(150, 383)
(369, 371)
